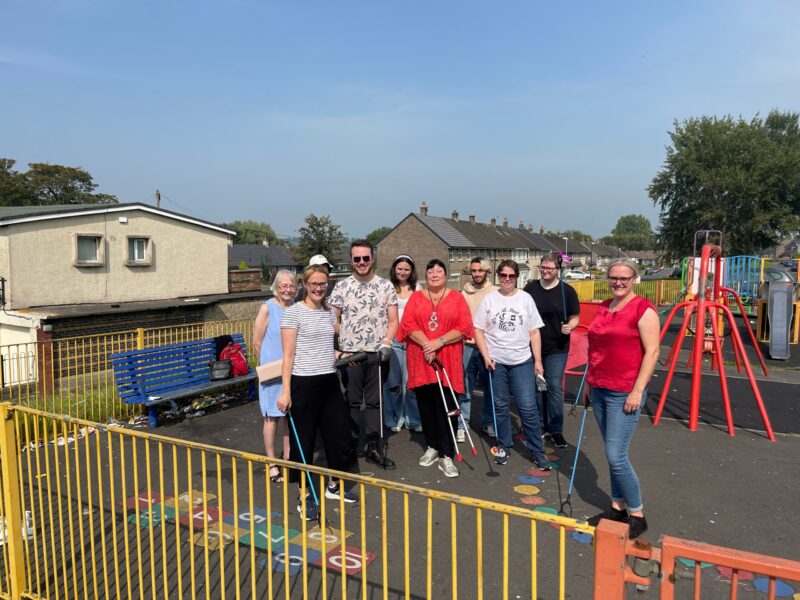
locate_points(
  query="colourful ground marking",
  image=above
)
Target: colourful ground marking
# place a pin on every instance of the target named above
(686, 562)
(583, 538)
(314, 538)
(539, 473)
(352, 560)
(533, 500)
(218, 534)
(182, 501)
(529, 479)
(546, 509)
(142, 499)
(198, 515)
(263, 535)
(553, 457)
(145, 515)
(548, 449)
(554, 465)
(259, 517)
(728, 572)
(294, 559)
(782, 589)
(527, 490)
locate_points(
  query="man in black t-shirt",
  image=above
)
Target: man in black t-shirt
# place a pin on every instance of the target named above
(560, 309)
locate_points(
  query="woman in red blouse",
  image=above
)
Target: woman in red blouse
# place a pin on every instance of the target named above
(435, 324)
(623, 350)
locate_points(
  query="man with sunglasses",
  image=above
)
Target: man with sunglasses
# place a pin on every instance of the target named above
(366, 306)
(560, 310)
(473, 292)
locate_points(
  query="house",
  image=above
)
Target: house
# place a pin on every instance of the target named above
(456, 241)
(256, 256)
(646, 258)
(602, 255)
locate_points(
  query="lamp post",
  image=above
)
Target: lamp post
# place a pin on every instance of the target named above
(566, 245)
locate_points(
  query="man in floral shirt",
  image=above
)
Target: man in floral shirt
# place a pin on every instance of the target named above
(367, 308)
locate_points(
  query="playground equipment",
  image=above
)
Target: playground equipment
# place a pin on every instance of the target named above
(709, 307)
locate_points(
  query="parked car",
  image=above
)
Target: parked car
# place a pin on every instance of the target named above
(577, 274)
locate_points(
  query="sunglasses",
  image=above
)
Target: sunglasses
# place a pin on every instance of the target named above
(358, 259)
(625, 280)
(507, 276)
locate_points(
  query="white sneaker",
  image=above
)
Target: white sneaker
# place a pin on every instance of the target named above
(461, 436)
(447, 467)
(429, 457)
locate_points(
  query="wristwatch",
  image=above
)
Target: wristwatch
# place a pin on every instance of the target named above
(441, 339)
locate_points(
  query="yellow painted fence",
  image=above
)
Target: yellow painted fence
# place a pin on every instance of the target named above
(106, 512)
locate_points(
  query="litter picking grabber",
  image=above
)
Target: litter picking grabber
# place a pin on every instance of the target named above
(455, 403)
(436, 364)
(303, 458)
(567, 503)
(384, 442)
(495, 449)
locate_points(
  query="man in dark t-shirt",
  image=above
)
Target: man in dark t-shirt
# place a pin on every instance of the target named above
(560, 310)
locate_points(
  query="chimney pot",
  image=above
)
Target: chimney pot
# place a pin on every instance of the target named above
(455, 215)
(472, 218)
(505, 221)
(521, 224)
(423, 209)
(494, 221)
(530, 227)
(541, 229)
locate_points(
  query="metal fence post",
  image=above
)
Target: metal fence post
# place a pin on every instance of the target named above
(12, 502)
(610, 560)
(140, 338)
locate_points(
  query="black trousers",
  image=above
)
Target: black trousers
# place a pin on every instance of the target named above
(434, 418)
(362, 390)
(317, 404)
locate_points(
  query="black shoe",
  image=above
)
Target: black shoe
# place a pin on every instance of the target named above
(638, 525)
(558, 441)
(372, 454)
(612, 514)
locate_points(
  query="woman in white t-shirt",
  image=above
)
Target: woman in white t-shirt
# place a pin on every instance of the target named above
(507, 335)
(311, 388)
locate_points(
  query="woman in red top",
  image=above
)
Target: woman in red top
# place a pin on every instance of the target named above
(435, 324)
(623, 350)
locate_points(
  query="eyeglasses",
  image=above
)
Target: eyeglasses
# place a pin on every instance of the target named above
(318, 286)
(507, 275)
(287, 286)
(358, 259)
(548, 268)
(625, 280)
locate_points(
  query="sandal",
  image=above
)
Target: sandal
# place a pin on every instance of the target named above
(275, 474)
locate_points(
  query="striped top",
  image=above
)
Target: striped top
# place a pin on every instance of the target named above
(313, 354)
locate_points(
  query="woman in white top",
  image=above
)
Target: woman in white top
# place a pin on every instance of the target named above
(507, 335)
(400, 403)
(311, 388)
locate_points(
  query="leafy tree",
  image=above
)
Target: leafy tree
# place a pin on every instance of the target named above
(633, 232)
(252, 232)
(377, 235)
(12, 185)
(266, 270)
(56, 184)
(578, 236)
(740, 177)
(319, 235)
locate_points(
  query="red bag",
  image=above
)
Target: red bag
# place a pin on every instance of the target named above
(233, 352)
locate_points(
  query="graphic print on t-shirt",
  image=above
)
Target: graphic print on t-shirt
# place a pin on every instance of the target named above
(508, 319)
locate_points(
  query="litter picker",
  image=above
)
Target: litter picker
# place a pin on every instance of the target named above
(436, 365)
(455, 402)
(568, 503)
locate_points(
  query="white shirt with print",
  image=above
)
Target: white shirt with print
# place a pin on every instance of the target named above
(365, 316)
(507, 322)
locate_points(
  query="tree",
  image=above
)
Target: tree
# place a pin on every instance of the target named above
(320, 235)
(633, 232)
(252, 232)
(43, 183)
(376, 235)
(740, 177)
(12, 185)
(576, 235)
(266, 269)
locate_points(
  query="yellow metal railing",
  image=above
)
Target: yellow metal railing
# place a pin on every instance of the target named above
(119, 513)
(73, 376)
(658, 291)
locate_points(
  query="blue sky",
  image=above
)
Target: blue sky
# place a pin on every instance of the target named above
(553, 113)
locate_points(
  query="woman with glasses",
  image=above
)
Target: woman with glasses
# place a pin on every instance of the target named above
(311, 387)
(268, 348)
(435, 324)
(507, 335)
(400, 403)
(623, 350)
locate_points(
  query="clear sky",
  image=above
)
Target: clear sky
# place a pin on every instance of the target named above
(556, 113)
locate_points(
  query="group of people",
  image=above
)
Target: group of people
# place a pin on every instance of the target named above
(419, 353)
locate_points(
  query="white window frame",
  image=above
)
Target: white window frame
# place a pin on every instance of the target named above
(100, 253)
(145, 260)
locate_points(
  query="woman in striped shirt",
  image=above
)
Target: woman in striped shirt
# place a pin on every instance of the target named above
(311, 388)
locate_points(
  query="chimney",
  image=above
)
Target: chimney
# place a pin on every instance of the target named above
(530, 228)
(521, 224)
(455, 215)
(265, 242)
(472, 219)
(494, 221)
(423, 209)
(505, 221)
(541, 229)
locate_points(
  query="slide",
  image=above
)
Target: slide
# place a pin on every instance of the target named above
(780, 305)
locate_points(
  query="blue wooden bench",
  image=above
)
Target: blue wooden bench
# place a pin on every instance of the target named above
(164, 374)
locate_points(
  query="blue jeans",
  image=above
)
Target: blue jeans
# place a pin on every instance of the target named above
(617, 429)
(470, 363)
(399, 403)
(517, 380)
(551, 402)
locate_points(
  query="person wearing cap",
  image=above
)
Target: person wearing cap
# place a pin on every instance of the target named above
(366, 306)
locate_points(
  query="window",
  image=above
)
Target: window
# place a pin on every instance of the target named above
(88, 250)
(451, 255)
(139, 254)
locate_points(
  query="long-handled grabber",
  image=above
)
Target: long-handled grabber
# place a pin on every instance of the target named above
(436, 366)
(496, 449)
(567, 503)
(455, 402)
(308, 474)
(384, 442)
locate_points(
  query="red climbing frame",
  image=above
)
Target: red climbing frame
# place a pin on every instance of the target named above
(711, 302)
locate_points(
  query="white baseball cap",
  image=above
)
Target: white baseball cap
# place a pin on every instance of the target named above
(319, 259)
